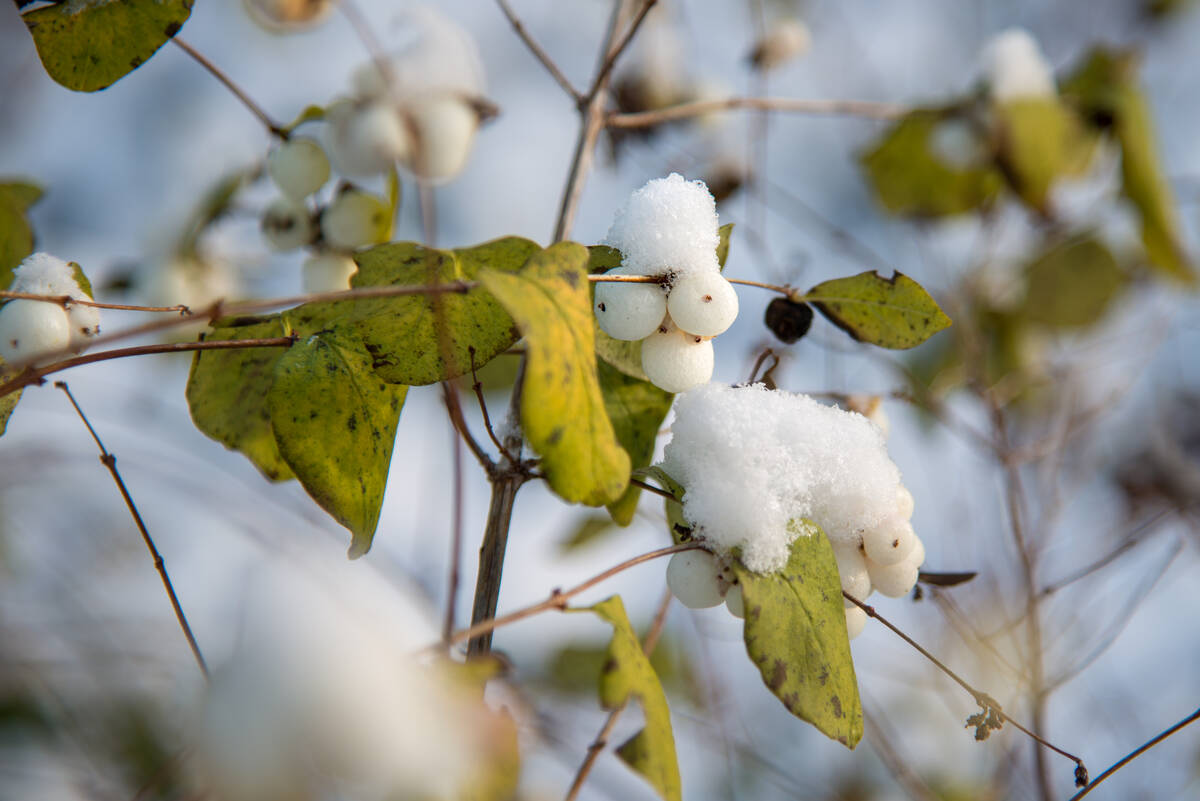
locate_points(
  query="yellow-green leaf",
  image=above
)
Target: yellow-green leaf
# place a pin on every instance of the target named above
(16, 234)
(1072, 284)
(86, 46)
(1040, 140)
(1106, 89)
(227, 392)
(335, 421)
(795, 633)
(562, 409)
(893, 312)
(637, 410)
(7, 404)
(910, 179)
(422, 339)
(723, 245)
(627, 674)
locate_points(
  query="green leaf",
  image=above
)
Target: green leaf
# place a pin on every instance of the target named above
(795, 632)
(637, 410)
(1039, 141)
(562, 409)
(402, 333)
(911, 180)
(1105, 88)
(81, 279)
(335, 421)
(628, 674)
(893, 312)
(573, 668)
(311, 113)
(1072, 284)
(16, 234)
(723, 246)
(227, 392)
(86, 46)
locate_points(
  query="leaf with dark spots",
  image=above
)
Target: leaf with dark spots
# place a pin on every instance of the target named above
(893, 312)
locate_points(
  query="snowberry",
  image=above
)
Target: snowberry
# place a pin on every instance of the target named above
(735, 601)
(917, 555)
(675, 360)
(1015, 68)
(692, 578)
(282, 16)
(445, 126)
(298, 167)
(889, 542)
(287, 225)
(786, 40)
(355, 219)
(30, 329)
(628, 310)
(85, 324)
(366, 138)
(852, 568)
(856, 621)
(893, 580)
(904, 503)
(328, 272)
(703, 303)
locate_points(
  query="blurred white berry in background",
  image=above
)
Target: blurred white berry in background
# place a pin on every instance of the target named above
(328, 272)
(298, 167)
(354, 219)
(787, 39)
(1014, 67)
(287, 225)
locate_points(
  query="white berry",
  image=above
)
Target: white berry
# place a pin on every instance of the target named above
(328, 272)
(355, 219)
(703, 303)
(917, 556)
(856, 620)
(904, 503)
(366, 138)
(889, 542)
(735, 601)
(85, 324)
(445, 126)
(30, 329)
(895, 580)
(287, 225)
(692, 578)
(629, 310)
(676, 361)
(298, 167)
(852, 569)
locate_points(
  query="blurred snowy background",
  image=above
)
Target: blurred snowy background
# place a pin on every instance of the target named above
(96, 681)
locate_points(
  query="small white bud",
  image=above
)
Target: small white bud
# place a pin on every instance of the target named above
(703, 303)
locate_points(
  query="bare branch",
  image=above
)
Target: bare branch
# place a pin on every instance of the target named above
(110, 462)
(1135, 753)
(255, 109)
(850, 108)
(539, 53)
(611, 60)
(66, 301)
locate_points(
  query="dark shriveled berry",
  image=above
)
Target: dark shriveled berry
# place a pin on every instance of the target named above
(788, 320)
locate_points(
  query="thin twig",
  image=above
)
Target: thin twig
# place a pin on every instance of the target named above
(601, 740)
(35, 375)
(1133, 538)
(1135, 753)
(633, 482)
(477, 387)
(66, 301)
(981, 698)
(456, 538)
(454, 409)
(255, 109)
(110, 461)
(539, 53)
(611, 60)
(851, 108)
(558, 598)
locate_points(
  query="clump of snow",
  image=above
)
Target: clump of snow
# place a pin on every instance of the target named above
(1014, 67)
(751, 459)
(668, 226)
(324, 689)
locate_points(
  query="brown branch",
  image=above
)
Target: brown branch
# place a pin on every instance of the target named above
(456, 538)
(983, 699)
(110, 462)
(66, 301)
(35, 375)
(255, 109)
(615, 53)
(477, 387)
(1135, 753)
(539, 53)
(558, 598)
(454, 409)
(651, 488)
(852, 108)
(601, 740)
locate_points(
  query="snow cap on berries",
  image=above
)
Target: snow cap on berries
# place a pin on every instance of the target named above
(667, 226)
(751, 459)
(1014, 67)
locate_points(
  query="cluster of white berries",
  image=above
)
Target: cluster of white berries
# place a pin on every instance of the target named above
(668, 230)
(1014, 67)
(417, 110)
(31, 329)
(777, 458)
